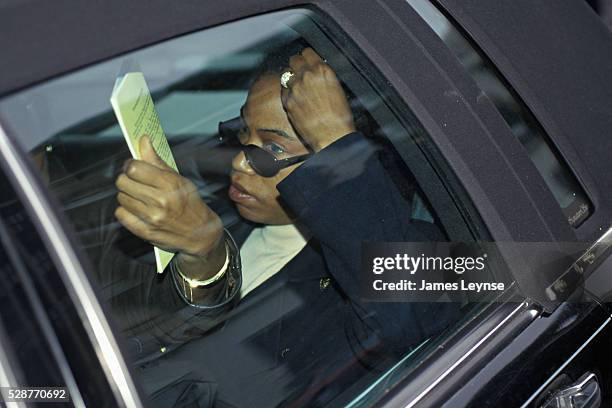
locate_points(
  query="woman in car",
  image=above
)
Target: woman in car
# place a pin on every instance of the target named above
(269, 311)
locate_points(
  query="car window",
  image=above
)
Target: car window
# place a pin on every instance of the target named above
(562, 183)
(290, 158)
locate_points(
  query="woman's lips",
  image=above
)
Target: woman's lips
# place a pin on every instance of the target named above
(238, 194)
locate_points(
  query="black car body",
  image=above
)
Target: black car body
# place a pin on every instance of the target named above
(555, 57)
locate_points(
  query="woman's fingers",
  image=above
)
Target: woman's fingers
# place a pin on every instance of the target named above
(142, 192)
(144, 173)
(133, 223)
(315, 102)
(144, 230)
(298, 64)
(149, 155)
(311, 57)
(136, 207)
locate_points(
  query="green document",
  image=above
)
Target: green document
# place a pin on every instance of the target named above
(136, 114)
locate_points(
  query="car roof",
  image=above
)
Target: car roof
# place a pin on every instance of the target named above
(41, 39)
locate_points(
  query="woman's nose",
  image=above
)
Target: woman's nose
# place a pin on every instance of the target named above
(241, 164)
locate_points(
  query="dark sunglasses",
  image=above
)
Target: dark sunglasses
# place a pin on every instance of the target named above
(261, 161)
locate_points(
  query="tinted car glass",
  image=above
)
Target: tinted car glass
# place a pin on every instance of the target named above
(283, 324)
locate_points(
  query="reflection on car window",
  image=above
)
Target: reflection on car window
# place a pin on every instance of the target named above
(562, 183)
(282, 177)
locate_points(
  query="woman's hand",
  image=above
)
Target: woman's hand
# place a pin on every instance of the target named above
(315, 102)
(160, 206)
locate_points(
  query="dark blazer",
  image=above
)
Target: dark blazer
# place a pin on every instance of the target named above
(304, 335)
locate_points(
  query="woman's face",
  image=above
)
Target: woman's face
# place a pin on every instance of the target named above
(268, 127)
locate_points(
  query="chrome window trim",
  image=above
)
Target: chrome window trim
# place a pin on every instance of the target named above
(583, 267)
(521, 307)
(74, 277)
